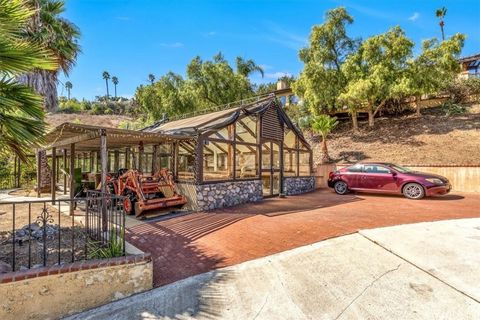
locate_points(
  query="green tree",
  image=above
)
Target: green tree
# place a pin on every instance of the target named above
(322, 79)
(375, 70)
(247, 67)
(440, 14)
(21, 111)
(151, 78)
(106, 77)
(324, 125)
(432, 70)
(60, 36)
(115, 83)
(168, 95)
(214, 82)
(68, 86)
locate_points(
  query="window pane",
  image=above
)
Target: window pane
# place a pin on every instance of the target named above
(302, 146)
(375, 169)
(290, 162)
(290, 139)
(355, 168)
(165, 162)
(217, 161)
(304, 160)
(276, 156)
(186, 161)
(224, 133)
(246, 162)
(246, 130)
(164, 148)
(266, 156)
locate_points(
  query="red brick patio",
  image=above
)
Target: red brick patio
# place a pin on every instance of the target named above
(195, 243)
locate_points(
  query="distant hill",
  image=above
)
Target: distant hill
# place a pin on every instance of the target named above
(432, 139)
(55, 119)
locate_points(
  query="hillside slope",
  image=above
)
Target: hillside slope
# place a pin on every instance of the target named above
(112, 121)
(432, 139)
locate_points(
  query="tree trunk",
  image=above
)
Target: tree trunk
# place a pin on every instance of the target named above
(371, 116)
(418, 107)
(106, 83)
(325, 156)
(44, 83)
(354, 121)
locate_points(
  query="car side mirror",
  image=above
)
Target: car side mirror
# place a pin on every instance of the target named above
(394, 174)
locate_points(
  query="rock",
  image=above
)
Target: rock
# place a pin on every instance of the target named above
(5, 267)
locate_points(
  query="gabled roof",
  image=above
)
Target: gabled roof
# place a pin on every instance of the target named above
(219, 119)
(470, 58)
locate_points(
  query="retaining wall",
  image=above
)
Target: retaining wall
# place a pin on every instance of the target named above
(58, 291)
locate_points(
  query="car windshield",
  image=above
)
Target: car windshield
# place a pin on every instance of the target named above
(399, 169)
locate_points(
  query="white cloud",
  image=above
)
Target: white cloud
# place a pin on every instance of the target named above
(172, 45)
(276, 75)
(285, 37)
(265, 67)
(414, 16)
(209, 34)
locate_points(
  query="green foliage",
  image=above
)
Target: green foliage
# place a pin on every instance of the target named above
(322, 78)
(21, 112)
(323, 124)
(375, 70)
(207, 84)
(453, 109)
(462, 89)
(113, 248)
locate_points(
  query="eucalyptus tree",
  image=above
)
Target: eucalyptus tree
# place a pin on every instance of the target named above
(106, 77)
(432, 70)
(115, 83)
(48, 27)
(440, 14)
(375, 71)
(322, 79)
(68, 86)
(21, 110)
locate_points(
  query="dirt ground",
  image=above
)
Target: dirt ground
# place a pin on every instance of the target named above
(431, 139)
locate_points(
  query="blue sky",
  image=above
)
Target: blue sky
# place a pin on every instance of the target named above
(131, 39)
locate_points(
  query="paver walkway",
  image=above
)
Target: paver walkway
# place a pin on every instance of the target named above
(200, 242)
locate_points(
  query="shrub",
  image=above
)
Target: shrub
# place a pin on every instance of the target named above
(461, 90)
(452, 109)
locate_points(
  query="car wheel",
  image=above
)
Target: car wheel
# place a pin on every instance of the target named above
(340, 187)
(413, 191)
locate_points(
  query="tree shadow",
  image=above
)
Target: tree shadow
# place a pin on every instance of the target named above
(351, 156)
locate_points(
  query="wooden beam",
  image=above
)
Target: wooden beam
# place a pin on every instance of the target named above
(103, 159)
(116, 160)
(72, 176)
(73, 140)
(127, 157)
(53, 184)
(155, 163)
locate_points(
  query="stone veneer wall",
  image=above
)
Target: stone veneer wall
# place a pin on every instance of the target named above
(58, 291)
(227, 194)
(298, 185)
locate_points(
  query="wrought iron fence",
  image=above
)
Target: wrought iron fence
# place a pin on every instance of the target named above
(42, 233)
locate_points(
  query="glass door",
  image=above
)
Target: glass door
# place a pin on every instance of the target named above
(270, 170)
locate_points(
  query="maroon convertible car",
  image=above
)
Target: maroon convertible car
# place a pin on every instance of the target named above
(387, 178)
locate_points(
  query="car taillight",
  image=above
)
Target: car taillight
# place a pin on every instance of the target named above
(330, 175)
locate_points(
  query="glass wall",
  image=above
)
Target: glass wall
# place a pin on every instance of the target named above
(296, 156)
(186, 162)
(246, 161)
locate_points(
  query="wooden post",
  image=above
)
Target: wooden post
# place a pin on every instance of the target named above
(103, 156)
(116, 160)
(127, 157)
(155, 159)
(57, 168)
(65, 171)
(53, 184)
(39, 174)
(141, 157)
(72, 176)
(91, 162)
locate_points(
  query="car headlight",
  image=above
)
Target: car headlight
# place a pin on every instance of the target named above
(434, 181)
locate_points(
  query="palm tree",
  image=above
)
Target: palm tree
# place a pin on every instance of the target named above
(21, 112)
(68, 86)
(441, 13)
(115, 82)
(324, 125)
(247, 67)
(48, 27)
(151, 78)
(106, 76)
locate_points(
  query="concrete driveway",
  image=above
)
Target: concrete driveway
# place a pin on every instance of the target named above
(418, 271)
(196, 243)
